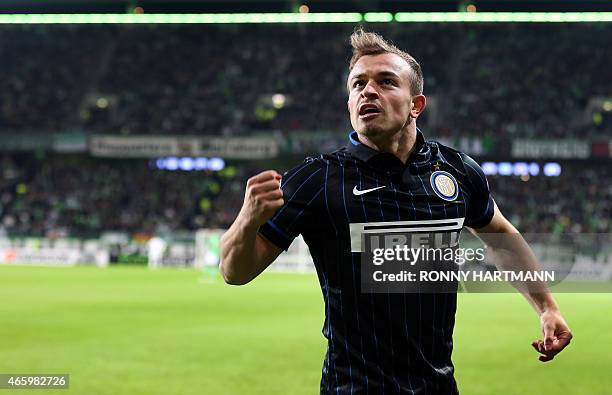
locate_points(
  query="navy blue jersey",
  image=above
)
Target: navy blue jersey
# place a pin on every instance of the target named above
(380, 343)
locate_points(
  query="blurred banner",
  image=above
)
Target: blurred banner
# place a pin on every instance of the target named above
(266, 145)
(303, 142)
(26, 141)
(238, 148)
(557, 149)
(155, 146)
(53, 252)
(70, 142)
(601, 149)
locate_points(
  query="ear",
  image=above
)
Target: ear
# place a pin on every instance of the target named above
(417, 105)
(348, 106)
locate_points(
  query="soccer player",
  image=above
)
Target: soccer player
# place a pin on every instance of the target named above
(378, 343)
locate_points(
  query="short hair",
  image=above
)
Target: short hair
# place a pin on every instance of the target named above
(369, 43)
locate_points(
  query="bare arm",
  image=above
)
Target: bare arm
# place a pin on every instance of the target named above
(244, 253)
(513, 248)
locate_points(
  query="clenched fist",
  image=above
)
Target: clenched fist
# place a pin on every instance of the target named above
(262, 197)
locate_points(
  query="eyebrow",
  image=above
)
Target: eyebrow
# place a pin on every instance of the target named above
(380, 74)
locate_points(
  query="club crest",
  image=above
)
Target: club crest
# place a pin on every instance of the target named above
(444, 185)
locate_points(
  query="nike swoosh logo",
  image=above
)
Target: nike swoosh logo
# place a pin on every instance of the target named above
(357, 192)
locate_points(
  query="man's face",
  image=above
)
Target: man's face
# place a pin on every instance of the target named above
(380, 100)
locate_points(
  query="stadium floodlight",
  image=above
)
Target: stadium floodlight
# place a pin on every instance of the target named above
(378, 17)
(216, 164)
(505, 168)
(201, 163)
(341, 17)
(552, 169)
(334, 17)
(172, 163)
(505, 17)
(186, 164)
(534, 169)
(489, 168)
(520, 169)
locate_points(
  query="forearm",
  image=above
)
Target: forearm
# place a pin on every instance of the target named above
(511, 252)
(244, 254)
(239, 252)
(542, 302)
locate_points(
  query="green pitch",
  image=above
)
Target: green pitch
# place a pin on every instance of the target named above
(134, 331)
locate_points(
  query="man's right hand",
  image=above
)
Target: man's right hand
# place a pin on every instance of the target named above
(262, 198)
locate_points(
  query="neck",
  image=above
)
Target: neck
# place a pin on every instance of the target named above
(400, 144)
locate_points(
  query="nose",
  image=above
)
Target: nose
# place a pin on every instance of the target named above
(369, 90)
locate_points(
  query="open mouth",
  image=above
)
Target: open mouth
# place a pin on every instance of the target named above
(368, 111)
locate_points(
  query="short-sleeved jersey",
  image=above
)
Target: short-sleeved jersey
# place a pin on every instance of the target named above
(380, 343)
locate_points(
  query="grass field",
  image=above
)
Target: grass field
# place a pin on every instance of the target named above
(134, 331)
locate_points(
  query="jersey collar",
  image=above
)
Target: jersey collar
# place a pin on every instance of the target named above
(365, 153)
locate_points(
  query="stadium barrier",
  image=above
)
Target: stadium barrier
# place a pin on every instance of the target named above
(58, 252)
(587, 256)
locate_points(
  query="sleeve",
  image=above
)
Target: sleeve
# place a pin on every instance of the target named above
(302, 189)
(480, 208)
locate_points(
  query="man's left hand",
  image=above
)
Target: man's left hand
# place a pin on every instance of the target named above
(556, 333)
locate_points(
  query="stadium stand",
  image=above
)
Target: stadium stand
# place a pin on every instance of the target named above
(185, 79)
(217, 80)
(74, 195)
(52, 196)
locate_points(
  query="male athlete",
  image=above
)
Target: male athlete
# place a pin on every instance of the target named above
(378, 343)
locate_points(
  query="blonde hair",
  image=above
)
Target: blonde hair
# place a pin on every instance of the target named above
(369, 43)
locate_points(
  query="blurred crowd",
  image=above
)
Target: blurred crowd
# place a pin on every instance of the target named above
(533, 80)
(578, 201)
(76, 195)
(481, 80)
